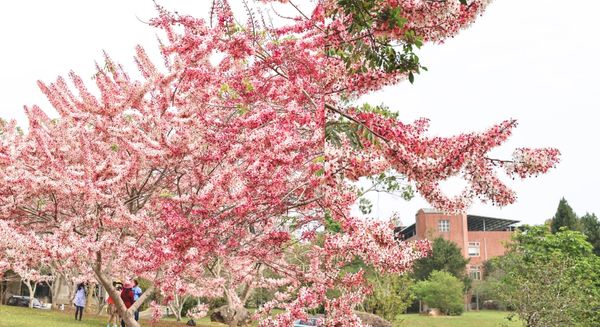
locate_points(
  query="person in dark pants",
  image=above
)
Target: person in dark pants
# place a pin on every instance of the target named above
(137, 292)
(127, 297)
(79, 301)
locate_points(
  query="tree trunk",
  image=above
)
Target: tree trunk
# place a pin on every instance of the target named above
(129, 319)
(2, 289)
(89, 298)
(125, 313)
(175, 312)
(101, 299)
(55, 289)
(31, 290)
(179, 313)
(183, 301)
(233, 313)
(174, 306)
(177, 307)
(71, 292)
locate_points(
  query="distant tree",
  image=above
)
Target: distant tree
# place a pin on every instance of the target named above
(442, 291)
(392, 295)
(590, 226)
(487, 288)
(550, 279)
(564, 217)
(445, 256)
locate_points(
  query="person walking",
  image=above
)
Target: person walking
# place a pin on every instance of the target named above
(137, 292)
(79, 301)
(127, 297)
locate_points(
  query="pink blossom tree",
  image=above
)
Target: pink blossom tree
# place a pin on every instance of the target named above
(189, 282)
(21, 254)
(65, 273)
(240, 147)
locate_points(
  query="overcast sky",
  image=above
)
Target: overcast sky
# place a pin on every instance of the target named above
(533, 60)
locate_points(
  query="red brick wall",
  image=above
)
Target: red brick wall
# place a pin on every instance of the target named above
(491, 244)
(427, 227)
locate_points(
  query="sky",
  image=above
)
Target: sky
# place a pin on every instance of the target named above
(533, 60)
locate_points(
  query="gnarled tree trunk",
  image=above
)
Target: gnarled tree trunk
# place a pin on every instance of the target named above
(125, 313)
(233, 313)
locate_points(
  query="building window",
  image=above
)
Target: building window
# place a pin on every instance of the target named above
(444, 225)
(473, 249)
(475, 272)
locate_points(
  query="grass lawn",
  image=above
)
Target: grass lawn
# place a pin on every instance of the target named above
(25, 317)
(467, 319)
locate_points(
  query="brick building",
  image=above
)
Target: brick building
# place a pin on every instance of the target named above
(480, 238)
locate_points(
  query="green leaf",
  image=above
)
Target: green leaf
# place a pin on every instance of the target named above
(242, 109)
(365, 206)
(166, 194)
(319, 159)
(248, 85)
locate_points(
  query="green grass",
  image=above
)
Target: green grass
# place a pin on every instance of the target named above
(25, 317)
(467, 319)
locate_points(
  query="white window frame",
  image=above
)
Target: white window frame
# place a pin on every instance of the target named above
(444, 225)
(475, 274)
(473, 245)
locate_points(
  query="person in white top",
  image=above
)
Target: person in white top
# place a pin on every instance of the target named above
(79, 300)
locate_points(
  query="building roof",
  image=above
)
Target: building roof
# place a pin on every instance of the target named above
(475, 223)
(482, 223)
(404, 233)
(430, 210)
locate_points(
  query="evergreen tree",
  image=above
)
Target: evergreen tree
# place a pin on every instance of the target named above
(564, 217)
(445, 256)
(590, 226)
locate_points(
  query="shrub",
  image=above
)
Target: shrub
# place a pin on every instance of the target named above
(392, 295)
(442, 291)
